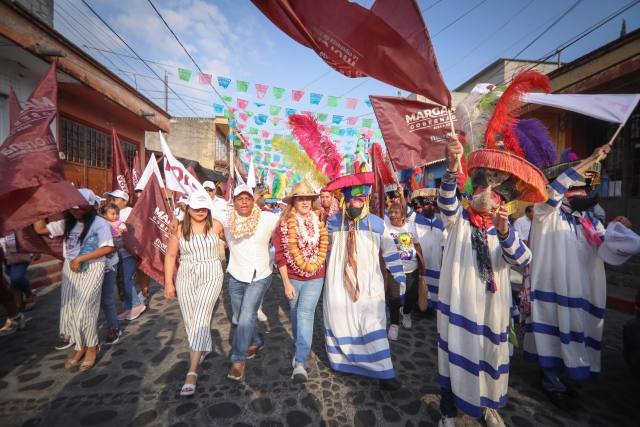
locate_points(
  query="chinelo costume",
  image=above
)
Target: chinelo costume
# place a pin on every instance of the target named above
(354, 301)
(474, 298)
(431, 237)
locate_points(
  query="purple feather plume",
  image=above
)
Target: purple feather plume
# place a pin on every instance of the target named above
(534, 139)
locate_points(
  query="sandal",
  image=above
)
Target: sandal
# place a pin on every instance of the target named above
(73, 362)
(13, 325)
(90, 364)
(31, 302)
(189, 389)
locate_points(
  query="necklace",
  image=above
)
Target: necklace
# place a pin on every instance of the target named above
(305, 242)
(240, 226)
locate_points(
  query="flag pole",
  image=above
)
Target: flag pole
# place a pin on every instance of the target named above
(453, 135)
(615, 135)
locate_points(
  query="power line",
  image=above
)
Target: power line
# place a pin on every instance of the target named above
(474, 8)
(424, 10)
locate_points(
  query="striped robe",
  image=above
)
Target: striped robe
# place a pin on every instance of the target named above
(431, 236)
(568, 288)
(356, 332)
(473, 323)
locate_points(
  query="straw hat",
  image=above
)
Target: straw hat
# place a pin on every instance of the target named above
(300, 189)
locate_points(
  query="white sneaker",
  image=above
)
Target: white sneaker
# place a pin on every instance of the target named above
(393, 332)
(234, 320)
(300, 374)
(406, 319)
(142, 298)
(447, 422)
(492, 418)
(261, 316)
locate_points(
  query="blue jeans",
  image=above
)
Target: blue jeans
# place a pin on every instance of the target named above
(245, 300)
(18, 275)
(551, 379)
(303, 309)
(129, 269)
(106, 299)
(447, 405)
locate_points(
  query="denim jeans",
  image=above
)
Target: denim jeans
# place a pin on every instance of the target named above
(130, 295)
(411, 295)
(18, 275)
(447, 406)
(106, 299)
(303, 309)
(246, 299)
(551, 379)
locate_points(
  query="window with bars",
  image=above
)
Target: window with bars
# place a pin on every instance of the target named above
(72, 141)
(129, 152)
(222, 147)
(98, 146)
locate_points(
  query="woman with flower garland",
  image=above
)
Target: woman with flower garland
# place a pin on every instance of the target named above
(301, 241)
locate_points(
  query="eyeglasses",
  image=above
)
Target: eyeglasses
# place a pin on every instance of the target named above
(210, 190)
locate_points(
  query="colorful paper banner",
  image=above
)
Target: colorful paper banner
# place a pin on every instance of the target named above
(336, 119)
(366, 123)
(314, 98)
(335, 130)
(333, 101)
(232, 123)
(243, 116)
(290, 111)
(226, 98)
(296, 95)
(248, 113)
(322, 117)
(368, 102)
(351, 103)
(275, 120)
(274, 110)
(258, 104)
(205, 79)
(218, 108)
(260, 119)
(242, 103)
(184, 74)
(351, 121)
(224, 82)
(253, 131)
(278, 92)
(261, 90)
(242, 86)
(264, 134)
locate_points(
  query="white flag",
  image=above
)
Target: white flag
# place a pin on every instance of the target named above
(251, 175)
(151, 168)
(610, 108)
(176, 176)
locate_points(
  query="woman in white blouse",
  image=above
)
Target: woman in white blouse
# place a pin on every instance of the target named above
(87, 239)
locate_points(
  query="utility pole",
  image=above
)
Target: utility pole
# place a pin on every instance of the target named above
(559, 57)
(166, 92)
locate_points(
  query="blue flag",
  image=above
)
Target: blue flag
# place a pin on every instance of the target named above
(315, 98)
(232, 123)
(351, 131)
(290, 111)
(337, 119)
(232, 137)
(366, 101)
(218, 109)
(342, 132)
(224, 82)
(258, 104)
(260, 119)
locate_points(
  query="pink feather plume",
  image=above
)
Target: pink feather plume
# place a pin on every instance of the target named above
(318, 147)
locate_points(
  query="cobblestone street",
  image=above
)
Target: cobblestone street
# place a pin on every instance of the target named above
(137, 381)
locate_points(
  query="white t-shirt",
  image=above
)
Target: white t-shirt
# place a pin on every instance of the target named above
(404, 237)
(522, 226)
(72, 245)
(124, 214)
(220, 207)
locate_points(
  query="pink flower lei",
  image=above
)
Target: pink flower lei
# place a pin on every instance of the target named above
(308, 242)
(333, 209)
(240, 226)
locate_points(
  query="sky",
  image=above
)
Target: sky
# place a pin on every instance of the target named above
(233, 39)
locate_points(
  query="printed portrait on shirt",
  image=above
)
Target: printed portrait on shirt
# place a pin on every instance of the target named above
(404, 244)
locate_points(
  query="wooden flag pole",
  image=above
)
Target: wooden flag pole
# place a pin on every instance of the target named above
(453, 135)
(615, 135)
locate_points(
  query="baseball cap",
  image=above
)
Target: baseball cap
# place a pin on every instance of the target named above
(620, 244)
(183, 199)
(98, 200)
(88, 195)
(242, 188)
(209, 184)
(117, 193)
(199, 200)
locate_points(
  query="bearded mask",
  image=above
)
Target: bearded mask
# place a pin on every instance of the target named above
(581, 202)
(502, 183)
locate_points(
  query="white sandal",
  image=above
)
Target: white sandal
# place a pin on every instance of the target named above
(189, 389)
(12, 325)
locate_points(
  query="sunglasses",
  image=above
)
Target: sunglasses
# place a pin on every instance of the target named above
(210, 190)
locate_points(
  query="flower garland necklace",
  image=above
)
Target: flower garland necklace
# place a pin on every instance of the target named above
(240, 226)
(305, 242)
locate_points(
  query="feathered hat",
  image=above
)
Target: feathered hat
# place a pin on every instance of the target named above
(568, 160)
(356, 185)
(512, 152)
(425, 195)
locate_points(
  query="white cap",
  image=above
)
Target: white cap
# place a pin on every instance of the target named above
(199, 200)
(88, 195)
(209, 184)
(117, 193)
(98, 200)
(620, 244)
(184, 199)
(242, 188)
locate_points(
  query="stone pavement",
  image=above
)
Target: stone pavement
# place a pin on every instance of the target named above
(137, 381)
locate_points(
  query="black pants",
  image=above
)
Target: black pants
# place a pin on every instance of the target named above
(410, 297)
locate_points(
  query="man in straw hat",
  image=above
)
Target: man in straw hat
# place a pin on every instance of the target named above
(474, 297)
(354, 305)
(568, 293)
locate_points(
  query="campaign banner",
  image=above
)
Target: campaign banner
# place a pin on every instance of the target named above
(121, 177)
(415, 132)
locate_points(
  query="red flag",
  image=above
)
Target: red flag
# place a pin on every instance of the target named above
(204, 79)
(148, 234)
(378, 196)
(33, 185)
(121, 178)
(136, 173)
(28, 241)
(79, 184)
(390, 42)
(414, 132)
(229, 194)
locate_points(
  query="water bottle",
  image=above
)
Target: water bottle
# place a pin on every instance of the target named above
(89, 245)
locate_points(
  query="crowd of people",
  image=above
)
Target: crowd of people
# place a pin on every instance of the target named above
(459, 252)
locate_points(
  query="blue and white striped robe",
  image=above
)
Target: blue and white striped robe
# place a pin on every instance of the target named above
(356, 332)
(431, 236)
(568, 288)
(473, 323)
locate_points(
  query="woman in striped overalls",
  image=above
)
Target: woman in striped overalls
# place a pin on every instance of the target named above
(199, 278)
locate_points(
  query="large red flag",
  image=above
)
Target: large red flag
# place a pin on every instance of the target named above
(136, 173)
(415, 132)
(33, 183)
(121, 179)
(28, 241)
(148, 234)
(390, 42)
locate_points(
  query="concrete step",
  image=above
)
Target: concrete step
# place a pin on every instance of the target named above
(44, 273)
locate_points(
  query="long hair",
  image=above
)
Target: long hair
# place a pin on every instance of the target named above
(70, 221)
(285, 213)
(187, 231)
